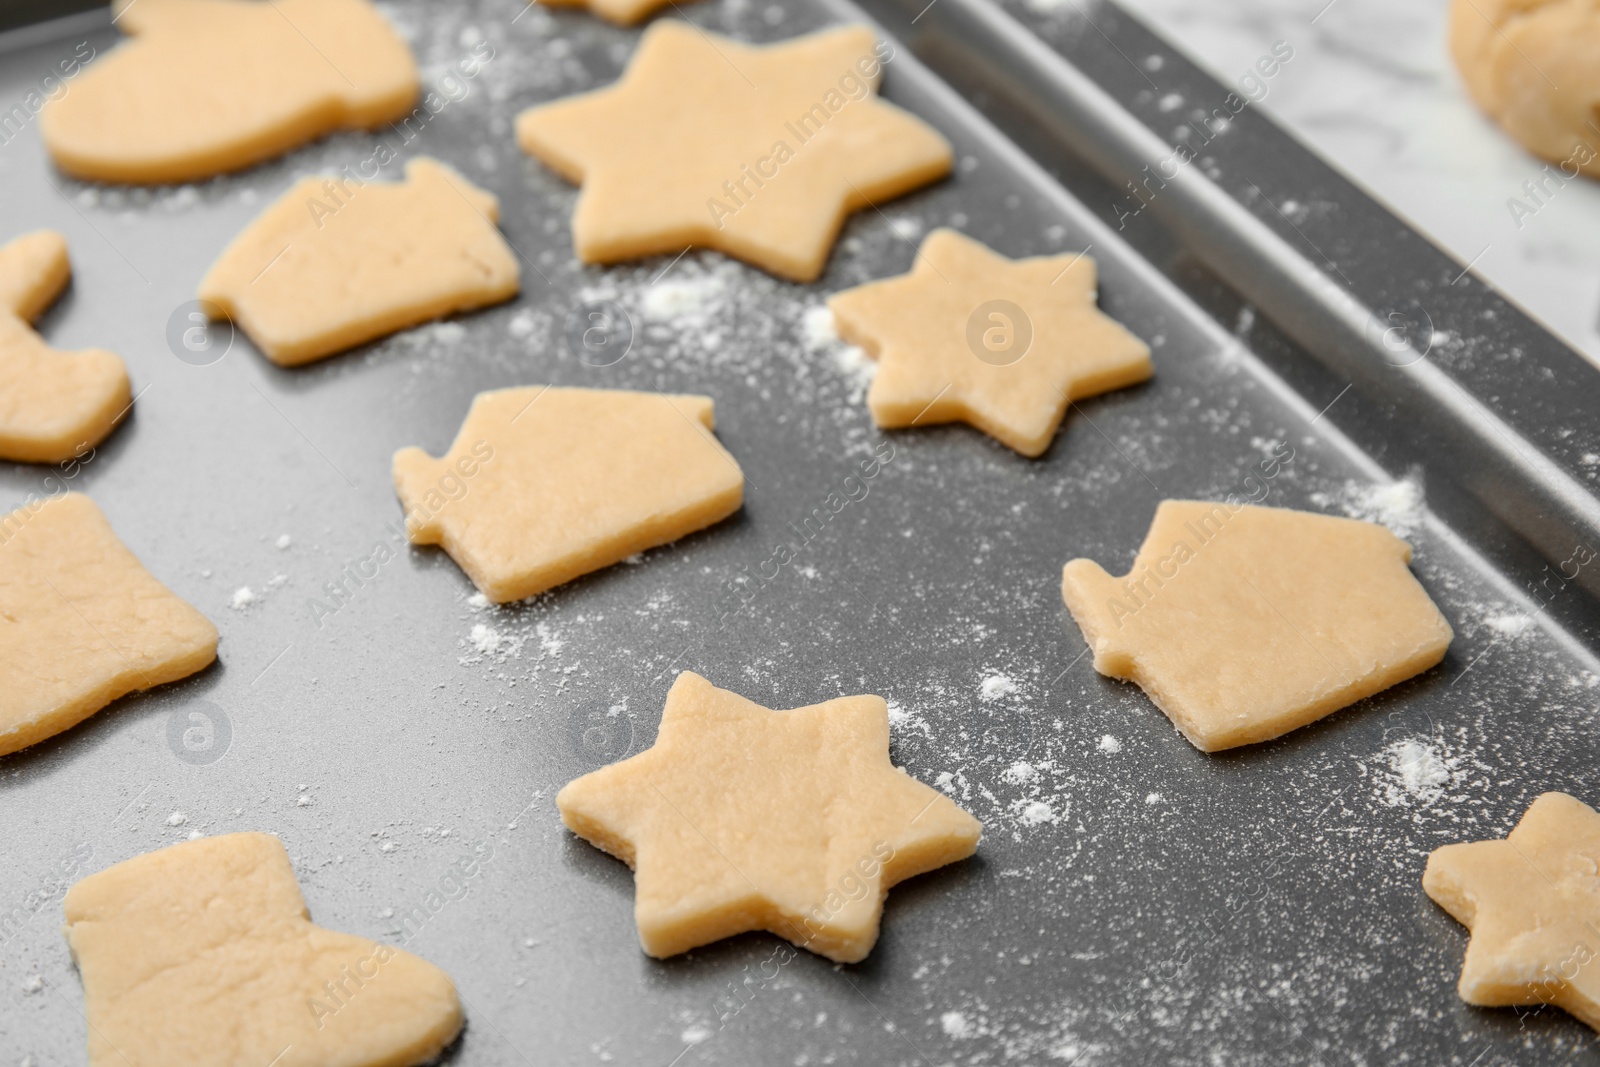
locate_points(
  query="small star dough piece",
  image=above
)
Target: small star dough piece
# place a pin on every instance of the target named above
(203, 955)
(81, 622)
(757, 152)
(1534, 67)
(544, 484)
(53, 404)
(621, 12)
(1243, 623)
(1532, 903)
(209, 86)
(337, 262)
(741, 818)
(970, 336)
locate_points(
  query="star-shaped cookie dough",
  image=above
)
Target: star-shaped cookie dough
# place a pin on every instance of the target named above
(335, 262)
(1243, 623)
(544, 484)
(970, 336)
(81, 622)
(757, 152)
(741, 818)
(54, 405)
(621, 12)
(203, 954)
(208, 86)
(1532, 902)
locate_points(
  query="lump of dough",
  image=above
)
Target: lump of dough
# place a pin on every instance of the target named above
(53, 404)
(742, 818)
(1534, 67)
(203, 955)
(208, 86)
(82, 622)
(1243, 623)
(336, 262)
(544, 484)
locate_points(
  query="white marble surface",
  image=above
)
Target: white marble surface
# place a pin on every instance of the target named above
(1372, 89)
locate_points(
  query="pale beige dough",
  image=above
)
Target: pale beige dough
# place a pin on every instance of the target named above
(1243, 623)
(54, 405)
(1532, 902)
(208, 86)
(335, 263)
(203, 955)
(621, 12)
(1534, 67)
(544, 484)
(920, 328)
(672, 155)
(741, 818)
(81, 622)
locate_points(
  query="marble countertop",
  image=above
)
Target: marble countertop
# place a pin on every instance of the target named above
(1372, 88)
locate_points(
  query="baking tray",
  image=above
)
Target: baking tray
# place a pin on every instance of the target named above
(1255, 907)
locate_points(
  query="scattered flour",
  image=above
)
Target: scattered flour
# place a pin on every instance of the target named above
(477, 601)
(1397, 505)
(1509, 623)
(1418, 773)
(956, 1025)
(284, 541)
(684, 302)
(696, 1035)
(1020, 773)
(242, 598)
(996, 686)
(177, 818)
(1034, 812)
(1108, 743)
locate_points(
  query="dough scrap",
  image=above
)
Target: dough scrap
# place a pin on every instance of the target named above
(53, 404)
(1534, 67)
(209, 86)
(82, 623)
(1532, 902)
(759, 153)
(743, 818)
(1243, 623)
(335, 263)
(544, 484)
(621, 12)
(203, 955)
(919, 327)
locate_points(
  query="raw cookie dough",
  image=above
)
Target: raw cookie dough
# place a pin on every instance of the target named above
(336, 262)
(544, 484)
(757, 152)
(970, 336)
(54, 405)
(621, 12)
(81, 622)
(1532, 903)
(208, 86)
(203, 955)
(1243, 623)
(1534, 67)
(743, 818)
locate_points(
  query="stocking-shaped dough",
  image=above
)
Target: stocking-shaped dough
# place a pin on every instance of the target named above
(81, 622)
(203, 955)
(207, 86)
(53, 404)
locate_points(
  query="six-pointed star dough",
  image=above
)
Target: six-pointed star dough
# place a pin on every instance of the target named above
(1243, 623)
(756, 152)
(208, 86)
(621, 12)
(53, 404)
(927, 328)
(81, 622)
(203, 955)
(544, 484)
(336, 262)
(742, 818)
(1532, 903)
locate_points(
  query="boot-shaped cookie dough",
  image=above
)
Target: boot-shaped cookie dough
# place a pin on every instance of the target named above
(203, 955)
(742, 818)
(757, 152)
(82, 622)
(1243, 623)
(53, 404)
(336, 262)
(208, 86)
